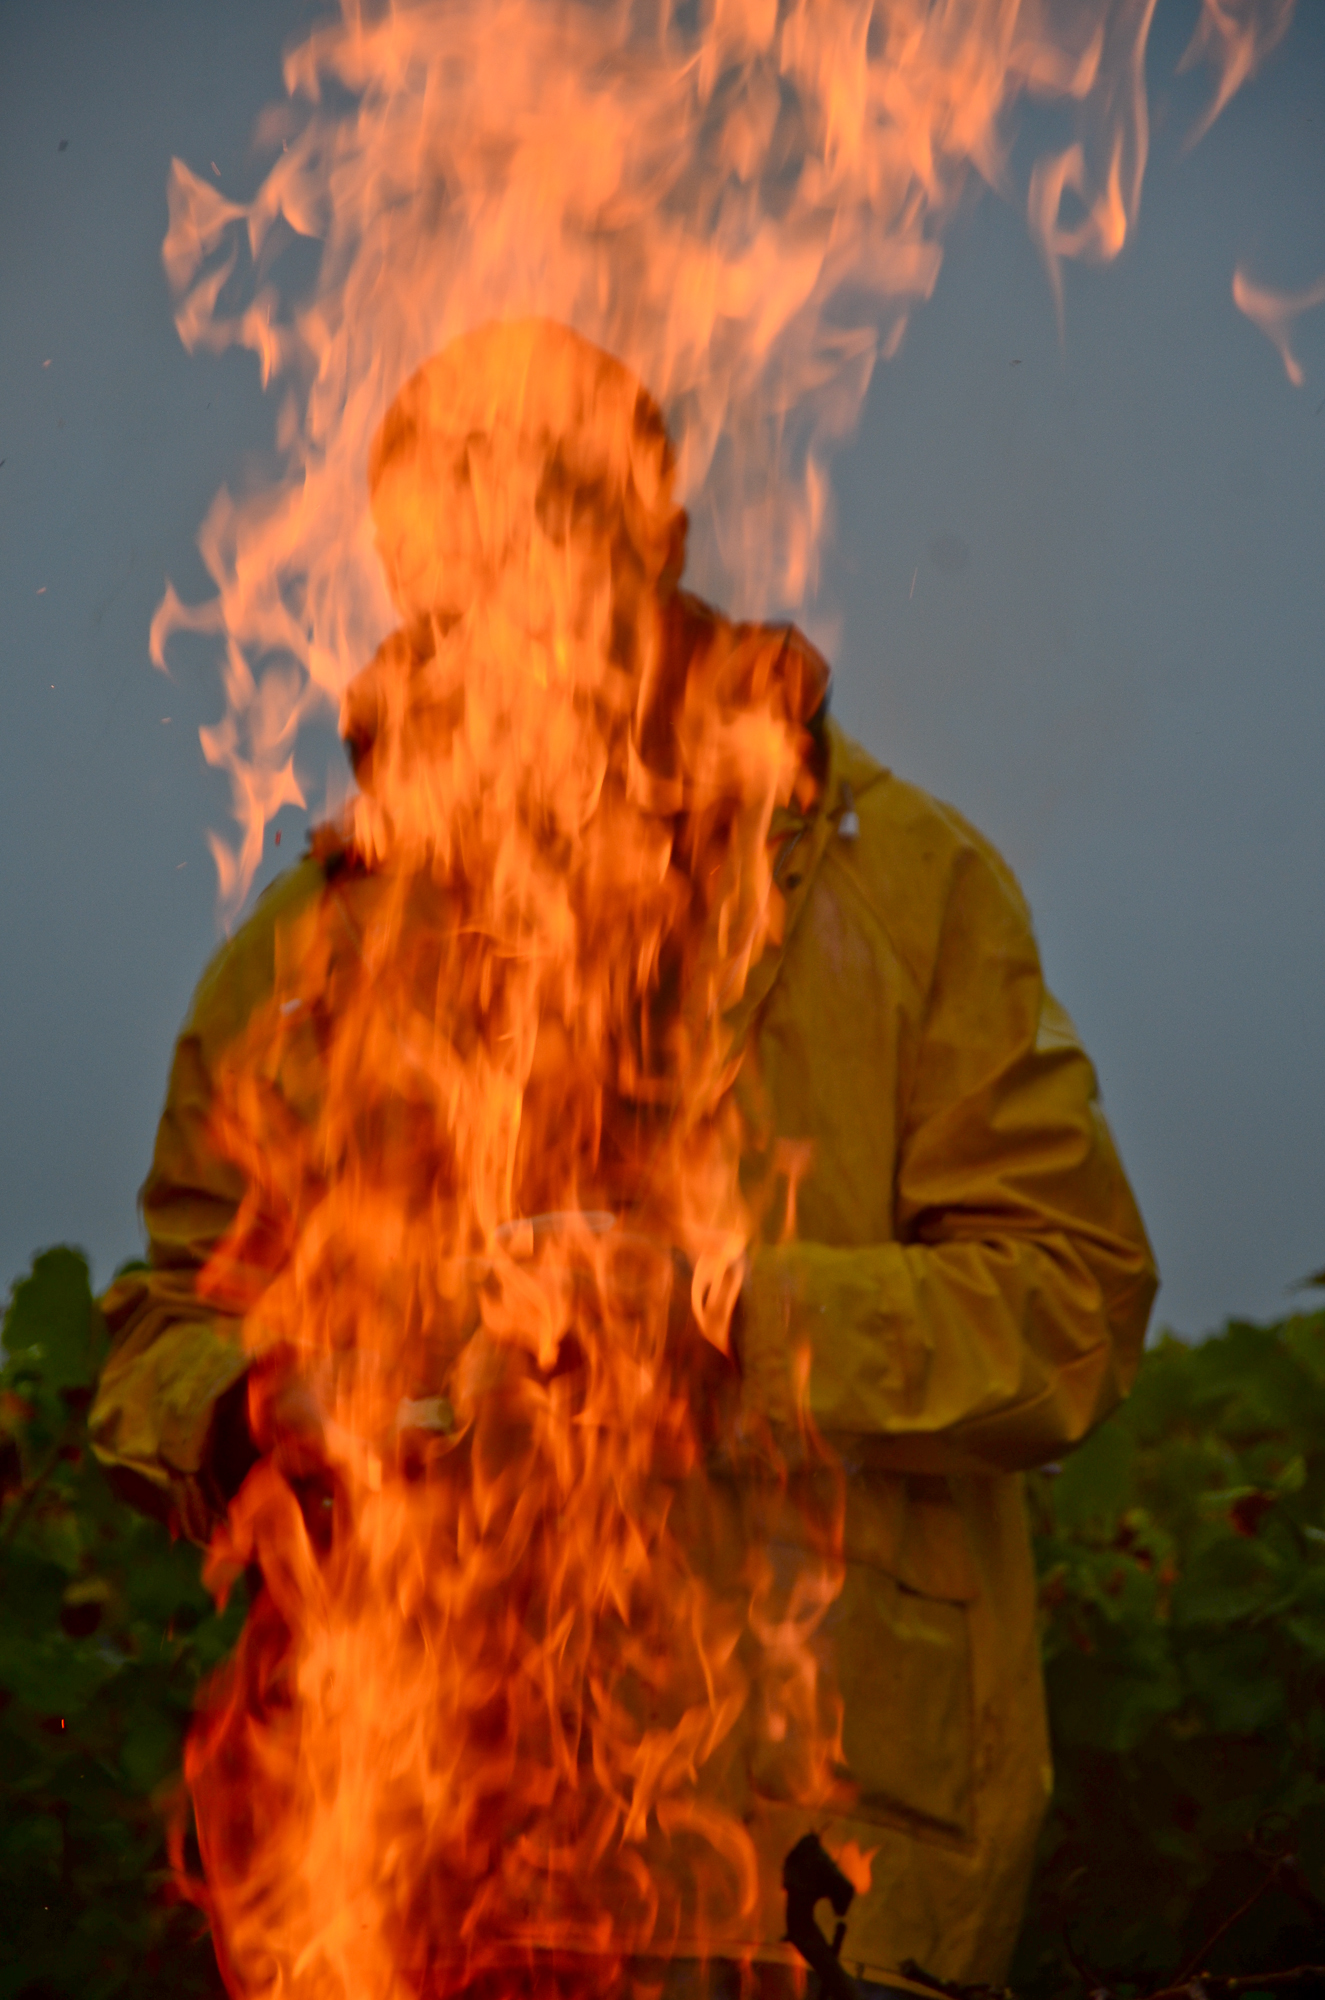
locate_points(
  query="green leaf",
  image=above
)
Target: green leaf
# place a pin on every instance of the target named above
(1226, 1578)
(1095, 1483)
(52, 1330)
(1232, 1679)
(151, 1747)
(164, 1579)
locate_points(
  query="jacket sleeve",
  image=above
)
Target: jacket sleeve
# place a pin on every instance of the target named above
(1009, 1315)
(162, 1418)
(174, 1356)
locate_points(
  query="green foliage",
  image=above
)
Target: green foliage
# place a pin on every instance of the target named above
(105, 1630)
(1181, 1555)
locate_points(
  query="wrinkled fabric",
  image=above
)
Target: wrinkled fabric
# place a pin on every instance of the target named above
(951, 1265)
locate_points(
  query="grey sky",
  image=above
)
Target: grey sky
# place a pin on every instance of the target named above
(1079, 593)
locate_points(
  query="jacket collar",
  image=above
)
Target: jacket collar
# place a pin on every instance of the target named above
(804, 839)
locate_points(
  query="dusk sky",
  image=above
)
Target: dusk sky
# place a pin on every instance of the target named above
(1077, 590)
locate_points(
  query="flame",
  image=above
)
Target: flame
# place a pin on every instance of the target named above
(856, 1863)
(1274, 313)
(531, 1615)
(499, 1707)
(1234, 37)
(744, 202)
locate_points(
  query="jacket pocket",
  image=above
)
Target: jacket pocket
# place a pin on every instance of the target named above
(901, 1661)
(893, 1648)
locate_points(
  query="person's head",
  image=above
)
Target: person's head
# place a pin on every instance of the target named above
(522, 494)
(526, 471)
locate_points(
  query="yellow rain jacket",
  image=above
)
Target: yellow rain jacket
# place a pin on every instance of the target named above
(968, 1271)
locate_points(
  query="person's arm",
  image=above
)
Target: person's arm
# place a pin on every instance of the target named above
(1008, 1317)
(176, 1359)
(170, 1418)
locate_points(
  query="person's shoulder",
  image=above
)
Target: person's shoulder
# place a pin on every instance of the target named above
(241, 974)
(916, 857)
(903, 812)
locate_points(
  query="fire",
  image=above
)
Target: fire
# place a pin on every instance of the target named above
(1274, 313)
(493, 1718)
(498, 1712)
(744, 201)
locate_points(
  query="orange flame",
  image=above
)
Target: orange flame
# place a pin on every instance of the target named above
(1274, 313)
(856, 1863)
(495, 1699)
(1234, 37)
(541, 1593)
(743, 201)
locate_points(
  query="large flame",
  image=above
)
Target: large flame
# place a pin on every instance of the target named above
(494, 1714)
(494, 1218)
(744, 200)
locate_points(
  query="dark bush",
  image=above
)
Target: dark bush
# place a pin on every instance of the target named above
(104, 1634)
(1181, 1555)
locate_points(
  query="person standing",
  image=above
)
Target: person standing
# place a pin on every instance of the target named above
(954, 1283)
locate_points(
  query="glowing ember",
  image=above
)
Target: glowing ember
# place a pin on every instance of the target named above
(495, 1715)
